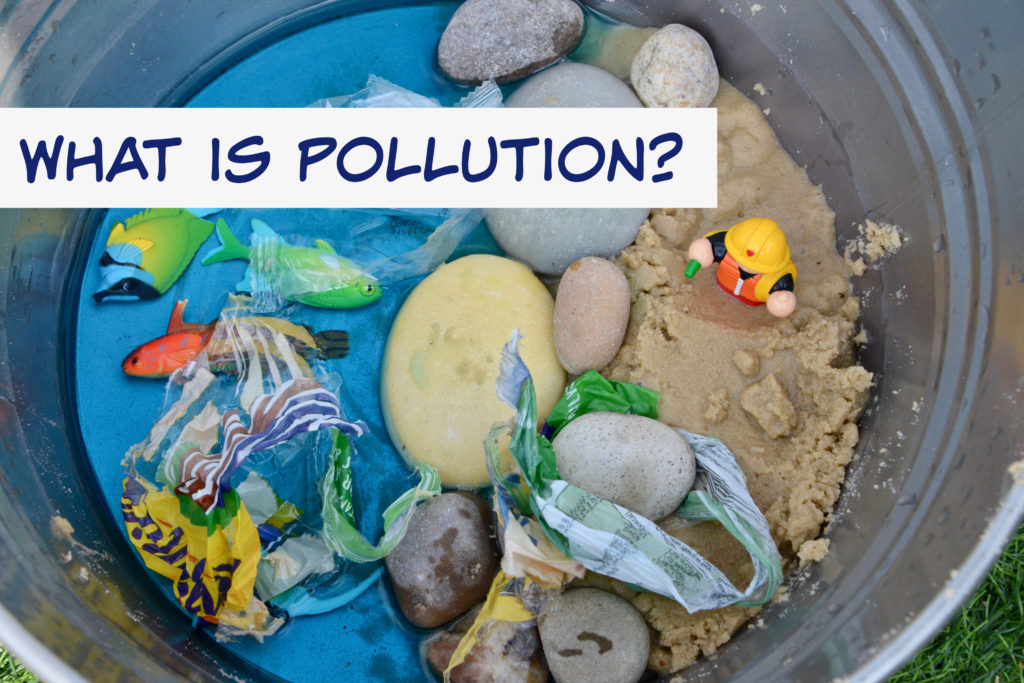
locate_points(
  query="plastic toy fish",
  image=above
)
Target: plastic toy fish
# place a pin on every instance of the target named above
(148, 252)
(185, 341)
(315, 276)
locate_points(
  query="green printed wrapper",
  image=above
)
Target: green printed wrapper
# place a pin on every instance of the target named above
(340, 532)
(613, 541)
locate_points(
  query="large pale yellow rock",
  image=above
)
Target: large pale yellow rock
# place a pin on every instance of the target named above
(441, 362)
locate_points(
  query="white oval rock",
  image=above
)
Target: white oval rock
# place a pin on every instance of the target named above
(593, 635)
(675, 68)
(591, 314)
(633, 461)
(507, 39)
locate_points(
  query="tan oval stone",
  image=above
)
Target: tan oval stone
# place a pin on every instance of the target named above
(591, 314)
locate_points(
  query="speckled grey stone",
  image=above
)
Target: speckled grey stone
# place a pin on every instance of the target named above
(507, 39)
(636, 462)
(594, 636)
(445, 563)
(675, 68)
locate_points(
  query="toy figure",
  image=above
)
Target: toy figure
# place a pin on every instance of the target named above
(754, 264)
(315, 276)
(148, 252)
(184, 342)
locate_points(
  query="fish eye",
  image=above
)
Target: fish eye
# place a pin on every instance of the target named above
(135, 360)
(126, 285)
(368, 288)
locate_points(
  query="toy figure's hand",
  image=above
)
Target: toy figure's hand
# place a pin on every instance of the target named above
(781, 303)
(701, 251)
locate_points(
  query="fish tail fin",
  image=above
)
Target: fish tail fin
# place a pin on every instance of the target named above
(332, 343)
(230, 247)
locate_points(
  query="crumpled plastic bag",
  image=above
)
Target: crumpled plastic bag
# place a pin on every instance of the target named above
(389, 245)
(380, 92)
(612, 540)
(226, 497)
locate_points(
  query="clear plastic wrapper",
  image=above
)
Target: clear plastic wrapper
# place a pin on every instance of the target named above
(235, 494)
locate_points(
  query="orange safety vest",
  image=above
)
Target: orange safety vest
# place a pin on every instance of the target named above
(729, 280)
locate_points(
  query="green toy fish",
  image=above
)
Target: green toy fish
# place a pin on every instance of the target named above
(148, 252)
(315, 276)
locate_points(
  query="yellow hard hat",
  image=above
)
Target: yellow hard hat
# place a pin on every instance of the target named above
(758, 245)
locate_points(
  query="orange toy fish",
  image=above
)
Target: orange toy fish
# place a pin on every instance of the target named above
(176, 349)
(185, 341)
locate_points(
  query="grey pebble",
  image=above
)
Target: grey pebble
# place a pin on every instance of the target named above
(631, 460)
(548, 240)
(592, 635)
(572, 84)
(506, 40)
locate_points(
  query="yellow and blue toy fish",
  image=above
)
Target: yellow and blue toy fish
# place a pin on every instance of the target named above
(147, 253)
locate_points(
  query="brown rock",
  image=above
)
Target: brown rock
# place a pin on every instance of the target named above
(505, 652)
(447, 560)
(507, 39)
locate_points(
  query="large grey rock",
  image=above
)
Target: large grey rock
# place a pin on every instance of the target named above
(445, 563)
(571, 84)
(594, 636)
(548, 240)
(507, 39)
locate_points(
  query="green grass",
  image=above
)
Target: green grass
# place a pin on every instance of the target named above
(12, 671)
(984, 642)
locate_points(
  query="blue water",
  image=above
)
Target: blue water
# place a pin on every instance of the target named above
(364, 640)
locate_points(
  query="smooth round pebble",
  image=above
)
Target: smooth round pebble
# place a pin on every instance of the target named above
(636, 462)
(507, 39)
(591, 314)
(571, 84)
(675, 68)
(446, 561)
(548, 240)
(592, 635)
(441, 363)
